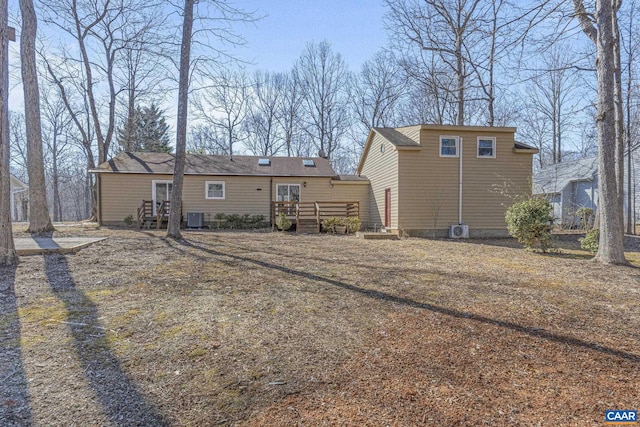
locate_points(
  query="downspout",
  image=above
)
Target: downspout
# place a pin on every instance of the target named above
(271, 212)
(460, 184)
(99, 182)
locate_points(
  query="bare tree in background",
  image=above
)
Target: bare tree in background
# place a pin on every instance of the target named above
(441, 28)
(264, 133)
(601, 26)
(7, 248)
(376, 93)
(289, 114)
(225, 105)
(324, 80)
(553, 94)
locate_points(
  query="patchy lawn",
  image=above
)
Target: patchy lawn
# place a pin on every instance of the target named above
(280, 329)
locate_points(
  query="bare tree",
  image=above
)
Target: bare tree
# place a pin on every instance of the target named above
(441, 28)
(225, 105)
(602, 28)
(289, 114)
(376, 93)
(7, 249)
(553, 95)
(39, 220)
(205, 139)
(324, 80)
(173, 227)
(264, 133)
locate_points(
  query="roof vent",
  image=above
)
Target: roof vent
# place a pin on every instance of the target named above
(264, 162)
(308, 162)
(321, 153)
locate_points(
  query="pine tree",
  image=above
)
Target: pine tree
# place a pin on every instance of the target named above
(148, 131)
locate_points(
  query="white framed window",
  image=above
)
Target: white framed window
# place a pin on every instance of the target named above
(288, 192)
(214, 190)
(449, 146)
(486, 147)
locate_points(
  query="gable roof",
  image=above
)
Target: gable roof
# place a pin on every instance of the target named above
(555, 178)
(396, 138)
(202, 164)
(16, 183)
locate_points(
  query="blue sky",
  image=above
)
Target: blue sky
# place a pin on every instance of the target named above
(355, 29)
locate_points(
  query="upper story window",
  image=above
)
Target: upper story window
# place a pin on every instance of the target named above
(214, 190)
(487, 147)
(449, 146)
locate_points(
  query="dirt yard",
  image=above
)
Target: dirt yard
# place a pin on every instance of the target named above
(273, 329)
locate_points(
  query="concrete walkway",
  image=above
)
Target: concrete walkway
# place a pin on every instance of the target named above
(58, 245)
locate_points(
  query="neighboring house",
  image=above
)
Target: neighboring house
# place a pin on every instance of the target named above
(221, 184)
(569, 186)
(427, 178)
(572, 185)
(19, 200)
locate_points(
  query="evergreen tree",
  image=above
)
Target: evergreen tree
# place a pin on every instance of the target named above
(147, 132)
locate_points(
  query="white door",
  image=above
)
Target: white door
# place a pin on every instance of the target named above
(161, 191)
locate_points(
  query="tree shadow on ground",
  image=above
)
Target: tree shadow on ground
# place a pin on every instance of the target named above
(122, 402)
(15, 409)
(387, 297)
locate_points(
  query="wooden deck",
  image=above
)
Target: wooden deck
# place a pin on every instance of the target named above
(308, 216)
(146, 218)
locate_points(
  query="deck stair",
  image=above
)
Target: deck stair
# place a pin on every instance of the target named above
(308, 216)
(146, 217)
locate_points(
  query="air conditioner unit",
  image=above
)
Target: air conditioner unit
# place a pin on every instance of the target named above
(195, 219)
(459, 231)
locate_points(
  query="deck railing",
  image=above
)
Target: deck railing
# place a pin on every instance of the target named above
(146, 216)
(317, 210)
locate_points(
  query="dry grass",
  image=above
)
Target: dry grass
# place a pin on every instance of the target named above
(281, 329)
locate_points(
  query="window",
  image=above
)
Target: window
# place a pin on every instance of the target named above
(288, 192)
(486, 147)
(449, 146)
(264, 162)
(308, 162)
(214, 190)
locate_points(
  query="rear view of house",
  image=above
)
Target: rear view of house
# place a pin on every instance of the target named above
(436, 180)
(220, 185)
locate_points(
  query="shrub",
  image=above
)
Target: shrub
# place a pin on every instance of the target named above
(590, 241)
(128, 219)
(235, 221)
(351, 223)
(586, 217)
(529, 221)
(283, 222)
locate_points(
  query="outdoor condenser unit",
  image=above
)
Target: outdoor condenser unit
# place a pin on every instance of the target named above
(195, 219)
(459, 231)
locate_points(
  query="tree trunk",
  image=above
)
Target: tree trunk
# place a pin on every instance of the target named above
(611, 249)
(39, 220)
(173, 227)
(7, 249)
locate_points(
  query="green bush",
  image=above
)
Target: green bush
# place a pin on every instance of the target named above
(128, 219)
(235, 221)
(590, 241)
(283, 222)
(529, 221)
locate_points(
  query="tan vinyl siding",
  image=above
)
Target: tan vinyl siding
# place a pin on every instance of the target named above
(350, 192)
(429, 183)
(412, 132)
(382, 171)
(315, 190)
(121, 195)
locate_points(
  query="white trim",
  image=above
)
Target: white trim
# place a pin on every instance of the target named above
(457, 146)
(206, 190)
(493, 147)
(153, 190)
(288, 191)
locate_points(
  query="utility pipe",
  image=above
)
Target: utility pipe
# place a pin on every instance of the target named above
(460, 182)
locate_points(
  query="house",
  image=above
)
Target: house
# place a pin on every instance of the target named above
(222, 184)
(434, 180)
(19, 200)
(573, 185)
(569, 186)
